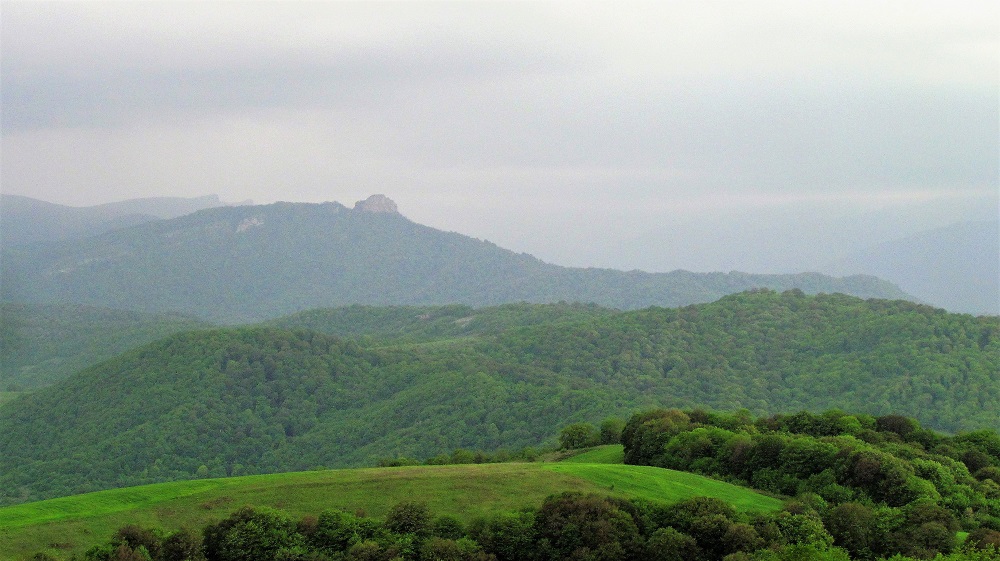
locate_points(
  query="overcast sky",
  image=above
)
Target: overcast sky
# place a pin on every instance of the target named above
(755, 135)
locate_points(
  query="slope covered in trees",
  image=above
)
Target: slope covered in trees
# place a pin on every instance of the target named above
(767, 351)
(880, 485)
(43, 344)
(411, 324)
(251, 263)
(257, 400)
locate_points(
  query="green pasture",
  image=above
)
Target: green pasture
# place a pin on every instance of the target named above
(69, 525)
(664, 485)
(610, 454)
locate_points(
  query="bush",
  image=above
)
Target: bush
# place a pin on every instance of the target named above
(578, 435)
(182, 545)
(667, 544)
(250, 534)
(984, 538)
(573, 525)
(611, 430)
(447, 527)
(505, 535)
(409, 518)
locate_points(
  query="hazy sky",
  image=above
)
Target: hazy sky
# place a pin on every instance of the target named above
(756, 135)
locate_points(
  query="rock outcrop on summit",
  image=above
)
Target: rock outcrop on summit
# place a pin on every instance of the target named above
(377, 203)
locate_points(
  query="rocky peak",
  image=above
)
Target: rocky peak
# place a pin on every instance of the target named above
(377, 203)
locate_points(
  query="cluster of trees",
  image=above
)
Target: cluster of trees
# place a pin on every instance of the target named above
(582, 435)
(461, 456)
(223, 402)
(880, 485)
(565, 526)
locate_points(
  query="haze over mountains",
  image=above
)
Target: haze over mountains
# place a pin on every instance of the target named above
(248, 263)
(24, 220)
(956, 267)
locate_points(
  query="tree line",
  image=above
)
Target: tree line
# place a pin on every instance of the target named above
(880, 485)
(565, 526)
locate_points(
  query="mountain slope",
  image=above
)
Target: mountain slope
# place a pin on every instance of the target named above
(255, 400)
(24, 220)
(243, 264)
(412, 324)
(956, 267)
(43, 344)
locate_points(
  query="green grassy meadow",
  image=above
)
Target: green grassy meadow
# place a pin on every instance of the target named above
(73, 524)
(664, 485)
(609, 454)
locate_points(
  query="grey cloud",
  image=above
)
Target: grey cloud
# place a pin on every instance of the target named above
(640, 125)
(767, 136)
(110, 96)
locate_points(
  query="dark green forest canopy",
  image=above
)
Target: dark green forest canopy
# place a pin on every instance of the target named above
(254, 400)
(242, 264)
(764, 351)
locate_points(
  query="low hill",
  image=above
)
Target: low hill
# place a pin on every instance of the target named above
(24, 220)
(257, 400)
(779, 352)
(72, 524)
(43, 344)
(242, 264)
(956, 267)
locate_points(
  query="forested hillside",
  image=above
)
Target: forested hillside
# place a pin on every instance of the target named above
(240, 264)
(402, 324)
(767, 351)
(263, 399)
(879, 485)
(43, 344)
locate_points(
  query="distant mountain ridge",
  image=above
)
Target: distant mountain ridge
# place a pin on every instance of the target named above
(24, 220)
(250, 263)
(956, 267)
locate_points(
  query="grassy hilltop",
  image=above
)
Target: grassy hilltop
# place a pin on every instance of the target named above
(72, 524)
